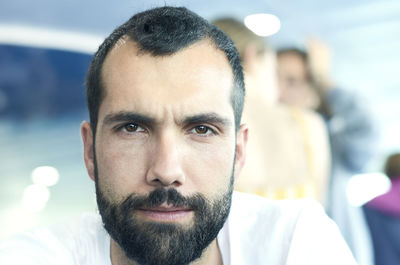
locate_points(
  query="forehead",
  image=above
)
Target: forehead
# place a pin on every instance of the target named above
(197, 78)
(292, 62)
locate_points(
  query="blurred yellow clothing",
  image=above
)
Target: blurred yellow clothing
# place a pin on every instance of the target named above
(308, 190)
(287, 152)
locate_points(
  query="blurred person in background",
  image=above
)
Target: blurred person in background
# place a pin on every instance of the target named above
(383, 217)
(304, 81)
(288, 149)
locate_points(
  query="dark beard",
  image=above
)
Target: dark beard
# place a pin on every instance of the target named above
(153, 243)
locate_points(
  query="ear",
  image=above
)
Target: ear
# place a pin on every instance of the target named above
(241, 142)
(88, 155)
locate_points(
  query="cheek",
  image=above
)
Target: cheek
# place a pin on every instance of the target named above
(209, 170)
(120, 166)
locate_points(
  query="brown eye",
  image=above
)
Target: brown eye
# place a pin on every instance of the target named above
(131, 127)
(201, 129)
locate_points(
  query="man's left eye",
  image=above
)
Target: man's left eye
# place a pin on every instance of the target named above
(203, 130)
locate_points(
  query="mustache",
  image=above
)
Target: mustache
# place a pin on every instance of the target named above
(171, 196)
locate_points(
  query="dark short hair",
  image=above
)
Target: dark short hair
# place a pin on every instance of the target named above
(392, 166)
(293, 50)
(159, 32)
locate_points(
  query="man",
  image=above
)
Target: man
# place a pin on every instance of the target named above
(164, 145)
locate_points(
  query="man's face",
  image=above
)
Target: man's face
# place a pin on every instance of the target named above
(294, 85)
(165, 150)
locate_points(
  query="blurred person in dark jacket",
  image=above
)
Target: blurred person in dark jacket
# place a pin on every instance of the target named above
(383, 217)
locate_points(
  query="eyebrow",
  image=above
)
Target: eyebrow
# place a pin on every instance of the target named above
(124, 116)
(211, 118)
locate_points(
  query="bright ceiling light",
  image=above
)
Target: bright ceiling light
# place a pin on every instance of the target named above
(45, 175)
(263, 24)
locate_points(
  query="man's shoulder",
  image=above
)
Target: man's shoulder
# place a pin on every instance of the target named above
(254, 204)
(281, 232)
(65, 243)
(276, 219)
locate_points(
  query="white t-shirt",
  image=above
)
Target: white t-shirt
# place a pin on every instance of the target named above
(258, 231)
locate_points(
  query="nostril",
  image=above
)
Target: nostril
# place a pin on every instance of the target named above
(157, 181)
(165, 182)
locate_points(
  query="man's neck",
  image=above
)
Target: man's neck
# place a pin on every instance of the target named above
(211, 255)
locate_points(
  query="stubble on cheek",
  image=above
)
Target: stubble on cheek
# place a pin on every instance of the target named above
(120, 169)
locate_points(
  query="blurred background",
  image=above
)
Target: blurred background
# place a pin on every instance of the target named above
(46, 47)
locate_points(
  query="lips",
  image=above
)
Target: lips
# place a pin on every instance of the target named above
(165, 213)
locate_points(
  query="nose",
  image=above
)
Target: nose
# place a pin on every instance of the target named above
(166, 168)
